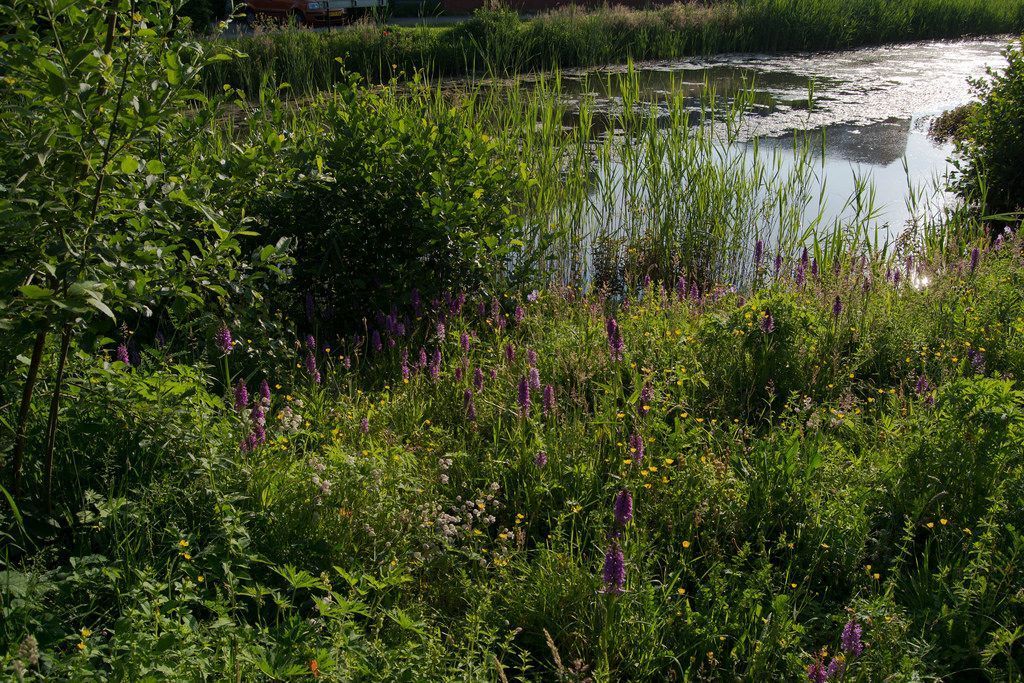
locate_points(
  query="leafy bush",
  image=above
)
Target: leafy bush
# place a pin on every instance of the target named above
(202, 12)
(390, 197)
(990, 172)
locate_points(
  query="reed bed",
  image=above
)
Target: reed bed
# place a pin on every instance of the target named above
(499, 42)
(657, 189)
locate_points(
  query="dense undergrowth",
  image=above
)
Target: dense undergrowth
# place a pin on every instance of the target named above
(441, 502)
(499, 42)
(704, 454)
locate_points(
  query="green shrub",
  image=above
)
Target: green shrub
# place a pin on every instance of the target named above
(991, 173)
(390, 197)
(202, 12)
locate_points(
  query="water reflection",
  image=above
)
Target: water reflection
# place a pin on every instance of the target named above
(867, 110)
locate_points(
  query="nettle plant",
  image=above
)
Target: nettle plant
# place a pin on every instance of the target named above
(105, 212)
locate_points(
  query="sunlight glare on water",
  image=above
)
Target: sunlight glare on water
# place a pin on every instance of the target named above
(874, 107)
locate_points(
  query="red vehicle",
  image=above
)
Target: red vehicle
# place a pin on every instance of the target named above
(308, 12)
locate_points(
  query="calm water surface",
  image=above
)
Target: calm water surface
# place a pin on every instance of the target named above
(867, 111)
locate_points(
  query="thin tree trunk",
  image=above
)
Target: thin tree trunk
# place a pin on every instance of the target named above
(21, 428)
(108, 44)
(51, 423)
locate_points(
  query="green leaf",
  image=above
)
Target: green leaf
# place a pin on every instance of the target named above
(35, 292)
(98, 304)
(129, 165)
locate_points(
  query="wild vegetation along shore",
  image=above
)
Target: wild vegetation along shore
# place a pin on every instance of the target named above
(385, 384)
(500, 42)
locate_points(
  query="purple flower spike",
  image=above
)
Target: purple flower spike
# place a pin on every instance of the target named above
(801, 275)
(417, 302)
(422, 358)
(758, 253)
(364, 425)
(548, 403)
(311, 363)
(646, 398)
(623, 508)
(524, 396)
(478, 379)
(851, 638)
(836, 668)
(264, 392)
(467, 399)
(804, 256)
(975, 257)
(531, 358)
(616, 345)
(614, 572)
(310, 342)
(976, 360)
(636, 447)
(440, 331)
(241, 396)
(534, 379)
(541, 460)
(778, 264)
(375, 342)
(837, 307)
(817, 673)
(520, 314)
(464, 342)
(435, 364)
(223, 340)
(510, 353)
(767, 323)
(694, 292)
(122, 354)
(814, 268)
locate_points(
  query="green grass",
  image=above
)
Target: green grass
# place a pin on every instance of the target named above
(836, 442)
(792, 481)
(498, 42)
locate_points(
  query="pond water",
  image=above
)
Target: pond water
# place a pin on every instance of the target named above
(867, 111)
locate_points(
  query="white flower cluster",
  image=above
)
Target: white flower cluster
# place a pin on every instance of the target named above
(466, 518)
(289, 420)
(320, 483)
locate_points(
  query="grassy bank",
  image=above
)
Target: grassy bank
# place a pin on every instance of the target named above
(836, 451)
(499, 42)
(382, 387)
